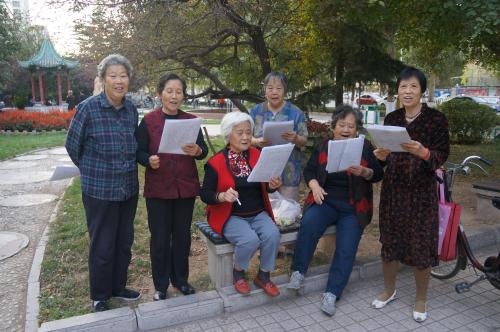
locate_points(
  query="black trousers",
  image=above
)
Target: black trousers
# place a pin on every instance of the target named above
(111, 231)
(170, 226)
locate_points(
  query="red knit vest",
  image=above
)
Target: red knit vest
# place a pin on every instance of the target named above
(218, 214)
(177, 176)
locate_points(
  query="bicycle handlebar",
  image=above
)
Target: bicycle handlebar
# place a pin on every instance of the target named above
(470, 158)
(464, 166)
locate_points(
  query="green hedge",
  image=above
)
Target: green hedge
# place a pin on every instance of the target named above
(469, 122)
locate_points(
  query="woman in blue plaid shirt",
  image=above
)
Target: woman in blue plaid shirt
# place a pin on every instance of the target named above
(101, 143)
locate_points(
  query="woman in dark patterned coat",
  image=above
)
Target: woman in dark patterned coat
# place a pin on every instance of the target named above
(343, 199)
(408, 201)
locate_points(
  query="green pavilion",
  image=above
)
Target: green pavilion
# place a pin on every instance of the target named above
(47, 59)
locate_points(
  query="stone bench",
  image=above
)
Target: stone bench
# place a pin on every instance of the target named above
(220, 251)
(485, 191)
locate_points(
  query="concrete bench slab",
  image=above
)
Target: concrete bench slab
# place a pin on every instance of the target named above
(119, 320)
(220, 257)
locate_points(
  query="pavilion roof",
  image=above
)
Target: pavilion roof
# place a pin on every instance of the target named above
(47, 57)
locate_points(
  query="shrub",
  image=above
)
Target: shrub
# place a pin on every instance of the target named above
(469, 121)
(19, 101)
(315, 128)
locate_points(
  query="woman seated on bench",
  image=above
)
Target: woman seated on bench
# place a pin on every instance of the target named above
(343, 199)
(238, 209)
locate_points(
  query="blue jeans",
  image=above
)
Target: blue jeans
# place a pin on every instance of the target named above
(314, 223)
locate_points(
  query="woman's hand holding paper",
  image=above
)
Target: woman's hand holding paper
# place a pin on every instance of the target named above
(415, 148)
(381, 154)
(275, 183)
(192, 150)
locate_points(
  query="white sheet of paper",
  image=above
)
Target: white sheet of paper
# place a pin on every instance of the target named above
(389, 137)
(345, 153)
(272, 131)
(176, 133)
(271, 163)
(64, 172)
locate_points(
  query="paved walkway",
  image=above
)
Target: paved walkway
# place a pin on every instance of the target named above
(27, 200)
(477, 310)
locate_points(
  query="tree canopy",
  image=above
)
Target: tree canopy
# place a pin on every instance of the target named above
(323, 46)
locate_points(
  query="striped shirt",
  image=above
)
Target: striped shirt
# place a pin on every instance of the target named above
(102, 144)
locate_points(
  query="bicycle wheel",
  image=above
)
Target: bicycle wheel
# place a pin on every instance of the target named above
(447, 270)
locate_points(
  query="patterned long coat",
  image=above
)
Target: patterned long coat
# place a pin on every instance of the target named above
(408, 201)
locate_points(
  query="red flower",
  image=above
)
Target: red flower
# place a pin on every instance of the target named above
(363, 206)
(309, 198)
(364, 163)
(23, 120)
(322, 159)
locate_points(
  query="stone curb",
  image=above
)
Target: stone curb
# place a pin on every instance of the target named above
(32, 305)
(171, 312)
(178, 310)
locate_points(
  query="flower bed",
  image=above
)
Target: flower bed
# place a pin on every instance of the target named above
(21, 120)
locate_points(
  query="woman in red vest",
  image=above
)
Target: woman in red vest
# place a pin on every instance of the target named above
(238, 209)
(171, 186)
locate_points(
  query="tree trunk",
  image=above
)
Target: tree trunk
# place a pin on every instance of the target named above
(432, 86)
(339, 79)
(259, 45)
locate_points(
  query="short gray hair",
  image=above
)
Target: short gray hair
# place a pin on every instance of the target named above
(233, 119)
(279, 76)
(114, 60)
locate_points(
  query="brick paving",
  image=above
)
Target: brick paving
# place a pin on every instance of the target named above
(476, 310)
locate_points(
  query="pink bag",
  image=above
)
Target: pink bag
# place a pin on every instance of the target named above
(444, 212)
(449, 220)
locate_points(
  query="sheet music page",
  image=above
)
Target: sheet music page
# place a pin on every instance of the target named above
(176, 133)
(272, 131)
(62, 172)
(389, 137)
(343, 154)
(271, 163)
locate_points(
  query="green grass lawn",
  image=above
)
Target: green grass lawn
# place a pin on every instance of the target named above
(13, 145)
(490, 151)
(211, 121)
(64, 275)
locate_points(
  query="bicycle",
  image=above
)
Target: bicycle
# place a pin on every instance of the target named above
(490, 270)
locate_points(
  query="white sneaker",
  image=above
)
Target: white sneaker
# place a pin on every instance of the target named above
(296, 280)
(378, 304)
(328, 303)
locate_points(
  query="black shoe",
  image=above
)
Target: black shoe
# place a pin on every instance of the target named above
(127, 294)
(186, 289)
(98, 306)
(158, 295)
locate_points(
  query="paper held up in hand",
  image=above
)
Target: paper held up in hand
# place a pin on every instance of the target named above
(272, 131)
(62, 172)
(271, 163)
(389, 137)
(176, 133)
(345, 153)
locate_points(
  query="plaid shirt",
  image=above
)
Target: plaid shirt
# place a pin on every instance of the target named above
(101, 143)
